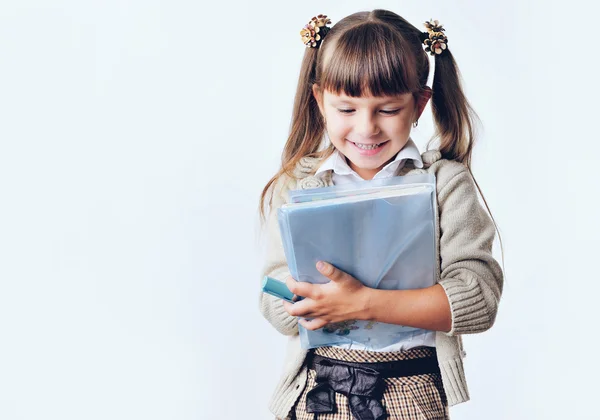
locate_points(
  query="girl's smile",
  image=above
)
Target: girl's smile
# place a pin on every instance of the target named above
(369, 149)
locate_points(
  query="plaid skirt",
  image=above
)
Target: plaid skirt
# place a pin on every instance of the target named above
(419, 396)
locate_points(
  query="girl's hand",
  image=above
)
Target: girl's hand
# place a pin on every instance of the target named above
(343, 298)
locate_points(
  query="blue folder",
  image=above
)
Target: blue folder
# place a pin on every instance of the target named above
(381, 231)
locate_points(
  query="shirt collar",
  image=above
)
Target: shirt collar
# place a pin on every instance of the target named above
(337, 162)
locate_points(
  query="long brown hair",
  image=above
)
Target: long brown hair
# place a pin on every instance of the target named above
(377, 53)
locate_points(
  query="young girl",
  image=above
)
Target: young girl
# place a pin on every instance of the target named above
(363, 83)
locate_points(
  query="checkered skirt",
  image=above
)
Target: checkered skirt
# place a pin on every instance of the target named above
(410, 397)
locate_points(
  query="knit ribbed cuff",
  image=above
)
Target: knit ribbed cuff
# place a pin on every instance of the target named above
(468, 306)
(455, 384)
(285, 323)
(278, 316)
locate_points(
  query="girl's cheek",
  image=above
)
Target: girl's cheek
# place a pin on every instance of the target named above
(334, 130)
(341, 126)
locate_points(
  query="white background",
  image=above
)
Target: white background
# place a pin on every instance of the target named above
(135, 139)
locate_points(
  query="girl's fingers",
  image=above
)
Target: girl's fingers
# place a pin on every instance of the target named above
(287, 306)
(313, 324)
(302, 308)
(300, 288)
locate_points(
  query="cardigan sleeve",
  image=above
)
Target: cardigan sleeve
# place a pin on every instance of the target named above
(470, 276)
(275, 265)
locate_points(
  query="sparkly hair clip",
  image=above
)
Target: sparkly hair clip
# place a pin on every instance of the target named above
(314, 31)
(434, 39)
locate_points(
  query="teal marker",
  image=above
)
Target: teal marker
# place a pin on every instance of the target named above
(277, 288)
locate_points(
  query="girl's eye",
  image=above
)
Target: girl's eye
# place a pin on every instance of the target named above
(386, 112)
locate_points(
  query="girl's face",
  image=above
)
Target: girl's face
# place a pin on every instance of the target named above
(356, 125)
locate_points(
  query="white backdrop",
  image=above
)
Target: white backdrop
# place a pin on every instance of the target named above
(135, 139)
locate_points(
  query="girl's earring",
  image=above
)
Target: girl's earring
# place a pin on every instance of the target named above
(416, 123)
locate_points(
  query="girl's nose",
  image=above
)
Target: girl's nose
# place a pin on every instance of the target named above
(366, 126)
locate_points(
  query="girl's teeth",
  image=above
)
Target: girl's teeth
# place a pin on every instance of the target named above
(367, 147)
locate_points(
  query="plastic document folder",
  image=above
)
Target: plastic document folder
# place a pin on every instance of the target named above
(380, 231)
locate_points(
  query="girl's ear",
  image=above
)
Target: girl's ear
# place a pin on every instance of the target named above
(422, 100)
(318, 97)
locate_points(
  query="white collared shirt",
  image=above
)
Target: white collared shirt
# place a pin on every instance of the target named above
(343, 174)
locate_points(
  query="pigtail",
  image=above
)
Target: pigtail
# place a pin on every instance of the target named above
(307, 122)
(454, 118)
(306, 129)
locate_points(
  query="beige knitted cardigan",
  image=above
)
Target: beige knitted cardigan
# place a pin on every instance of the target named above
(471, 277)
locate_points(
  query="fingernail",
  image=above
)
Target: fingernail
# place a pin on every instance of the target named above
(320, 265)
